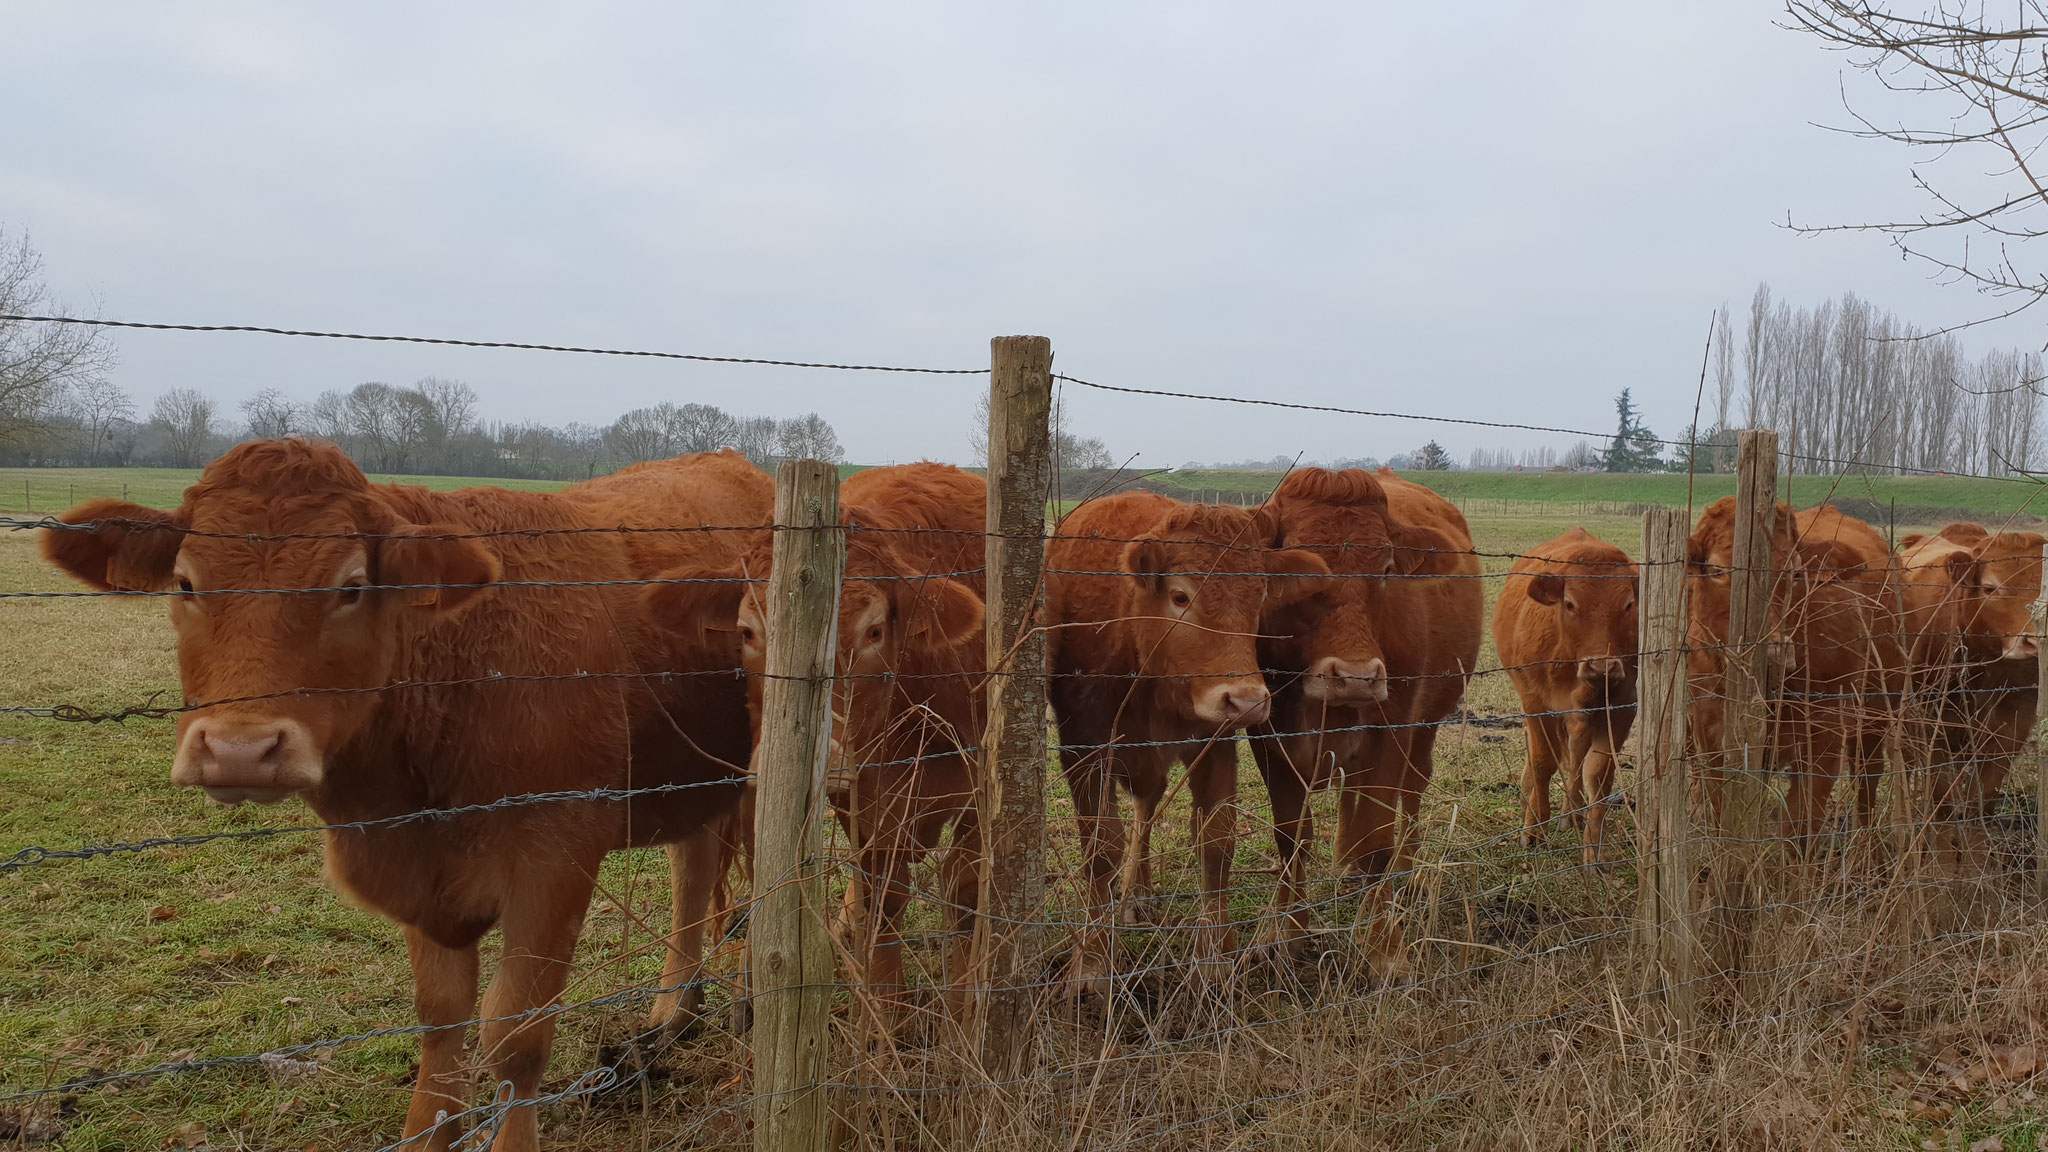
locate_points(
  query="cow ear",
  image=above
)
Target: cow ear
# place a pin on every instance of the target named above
(1295, 575)
(946, 610)
(1696, 556)
(1146, 559)
(440, 554)
(1266, 525)
(1908, 543)
(1546, 588)
(693, 602)
(1962, 569)
(128, 547)
(1416, 548)
(1846, 572)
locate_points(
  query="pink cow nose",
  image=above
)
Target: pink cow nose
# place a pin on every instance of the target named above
(237, 760)
(1603, 668)
(2022, 648)
(1336, 679)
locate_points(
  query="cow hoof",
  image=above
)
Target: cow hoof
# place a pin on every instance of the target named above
(1532, 838)
(1391, 971)
(1281, 937)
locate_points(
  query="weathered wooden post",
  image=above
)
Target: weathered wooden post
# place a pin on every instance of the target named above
(1665, 881)
(2041, 758)
(1013, 750)
(1746, 729)
(791, 953)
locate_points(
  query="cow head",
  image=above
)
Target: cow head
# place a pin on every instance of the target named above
(891, 616)
(1593, 596)
(1995, 583)
(1201, 578)
(297, 584)
(1710, 559)
(1342, 518)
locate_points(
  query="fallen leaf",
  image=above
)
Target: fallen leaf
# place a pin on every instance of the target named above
(208, 954)
(221, 897)
(162, 912)
(268, 960)
(2007, 1064)
(291, 1001)
(1989, 1144)
(286, 1068)
(180, 1056)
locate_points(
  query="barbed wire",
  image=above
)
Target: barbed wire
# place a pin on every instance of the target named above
(81, 321)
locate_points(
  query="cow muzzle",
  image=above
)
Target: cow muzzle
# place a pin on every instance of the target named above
(235, 760)
(1235, 703)
(1334, 681)
(2022, 647)
(1595, 669)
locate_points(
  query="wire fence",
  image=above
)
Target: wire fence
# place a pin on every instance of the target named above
(1461, 967)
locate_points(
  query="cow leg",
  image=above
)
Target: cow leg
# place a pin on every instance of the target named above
(879, 928)
(444, 994)
(695, 872)
(1593, 755)
(1147, 776)
(1545, 744)
(1093, 788)
(1369, 842)
(1293, 830)
(1212, 785)
(960, 882)
(1806, 797)
(540, 929)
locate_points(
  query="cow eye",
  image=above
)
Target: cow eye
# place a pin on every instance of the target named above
(746, 635)
(351, 592)
(874, 634)
(1181, 599)
(184, 586)
(1570, 607)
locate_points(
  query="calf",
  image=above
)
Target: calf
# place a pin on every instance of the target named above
(379, 650)
(908, 704)
(1835, 659)
(1361, 675)
(1153, 607)
(1969, 597)
(1565, 629)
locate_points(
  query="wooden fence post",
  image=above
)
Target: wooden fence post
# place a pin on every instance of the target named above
(1665, 881)
(1747, 711)
(792, 955)
(2041, 757)
(1014, 746)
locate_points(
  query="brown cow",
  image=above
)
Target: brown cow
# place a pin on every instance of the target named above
(1565, 629)
(1154, 606)
(939, 515)
(908, 708)
(1969, 624)
(491, 649)
(1362, 675)
(701, 713)
(1836, 660)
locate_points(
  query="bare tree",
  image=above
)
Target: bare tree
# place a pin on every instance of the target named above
(754, 436)
(271, 415)
(39, 363)
(184, 417)
(808, 437)
(100, 406)
(1978, 67)
(453, 403)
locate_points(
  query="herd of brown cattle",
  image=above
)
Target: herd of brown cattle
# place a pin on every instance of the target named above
(379, 650)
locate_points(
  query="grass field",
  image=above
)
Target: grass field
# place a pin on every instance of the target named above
(123, 962)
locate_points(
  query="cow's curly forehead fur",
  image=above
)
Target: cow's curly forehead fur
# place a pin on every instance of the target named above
(1341, 516)
(271, 488)
(1210, 539)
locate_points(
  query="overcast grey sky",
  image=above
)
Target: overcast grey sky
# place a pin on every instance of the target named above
(1508, 210)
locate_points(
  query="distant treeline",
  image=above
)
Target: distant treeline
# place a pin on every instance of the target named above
(431, 427)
